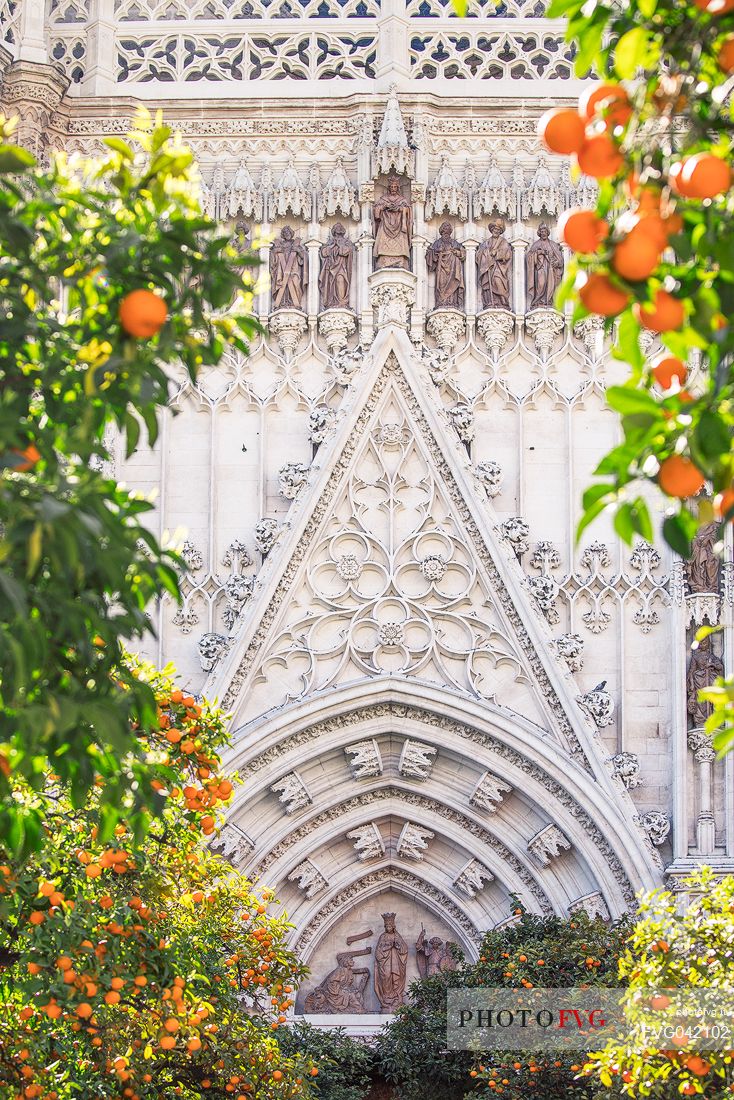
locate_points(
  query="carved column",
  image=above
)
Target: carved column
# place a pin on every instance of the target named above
(704, 755)
(32, 44)
(679, 712)
(101, 25)
(261, 305)
(420, 242)
(519, 248)
(363, 265)
(313, 244)
(470, 279)
(33, 92)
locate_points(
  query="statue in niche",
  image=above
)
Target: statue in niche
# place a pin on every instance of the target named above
(288, 270)
(703, 566)
(342, 990)
(446, 257)
(703, 668)
(494, 265)
(337, 263)
(391, 958)
(241, 238)
(433, 956)
(394, 228)
(544, 263)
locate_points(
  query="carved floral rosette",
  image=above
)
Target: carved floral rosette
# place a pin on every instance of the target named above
(336, 326)
(495, 327)
(392, 294)
(288, 327)
(447, 327)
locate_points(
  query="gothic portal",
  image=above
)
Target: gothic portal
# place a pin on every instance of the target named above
(439, 701)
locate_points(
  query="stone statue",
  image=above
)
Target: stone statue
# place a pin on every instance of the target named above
(703, 668)
(288, 270)
(544, 264)
(391, 957)
(446, 257)
(342, 990)
(337, 263)
(703, 565)
(494, 265)
(433, 956)
(394, 224)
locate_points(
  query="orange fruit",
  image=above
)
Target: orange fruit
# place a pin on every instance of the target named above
(84, 1010)
(659, 1003)
(724, 503)
(636, 256)
(112, 998)
(562, 130)
(725, 56)
(666, 313)
(715, 7)
(30, 457)
(679, 477)
(314, 1071)
(611, 100)
(92, 870)
(704, 176)
(193, 1044)
(600, 295)
(171, 1025)
(277, 1075)
(668, 368)
(142, 313)
(698, 1065)
(582, 230)
(37, 917)
(599, 157)
(168, 1042)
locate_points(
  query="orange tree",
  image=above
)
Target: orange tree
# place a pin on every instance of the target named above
(674, 951)
(143, 970)
(109, 277)
(657, 254)
(535, 952)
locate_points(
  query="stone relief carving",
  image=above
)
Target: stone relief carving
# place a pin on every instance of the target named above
(701, 746)
(548, 844)
(447, 327)
(233, 843)
(489, 792)
(598, 704)
(703, 567)
(656, 825)
(368, 842)
(570, 647)
(446, 195)
(517, 533)
(413, 841)
(433, 956)
(462, 418)
(243, 196)
(292, 478)
(391, 957)
(309, 878)
(416, 760)
(593, 905)
(393, 151)
(321, 421)
(338, 196)
(541, 195)
(393, 216)
(290, 196)
(212, 647)
(337, 265)
(366, 759)
(489, 475)
(494, 194)
(544, 264)
(626, 768)
(342, 990)
(288, 270)
(703, 668)
(472, 878)
(494, 267)
(292, 793)
(266, 535)
(445, 257)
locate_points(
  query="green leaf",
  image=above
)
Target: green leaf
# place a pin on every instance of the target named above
(712, 437)
(637, 49)
(625, 399)
(678, 534)
(627, 347)
(120, 146)
(15, 159)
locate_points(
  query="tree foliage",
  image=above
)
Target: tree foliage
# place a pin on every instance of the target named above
(144, 970)
(78, 565)
(344, 1064)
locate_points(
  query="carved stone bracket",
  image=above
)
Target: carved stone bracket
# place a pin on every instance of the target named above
(592, 904)
(392, 295)
(292, 478)
(472, 878)
(489, 475)
(656, 826)
(233, 843)
(368, 842)
(570, 647)
(544, 326)
(336, 326)
(598, 704)
(416, 760)
(292, 793)
(309, 878)
(447, 327)
(548, 844)
(495, 327)
(626, 768)
(703, 607)
(489, 792)
(366, 759)
(413, 841)
(288, 327)
(212, 647)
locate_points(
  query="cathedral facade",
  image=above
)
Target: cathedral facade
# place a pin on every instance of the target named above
(441, 705)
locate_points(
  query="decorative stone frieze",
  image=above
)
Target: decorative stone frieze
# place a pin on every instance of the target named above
(472, 878)
(413, 841)
(548, 844)
(416, 760)
(489, 792)
(292, 792)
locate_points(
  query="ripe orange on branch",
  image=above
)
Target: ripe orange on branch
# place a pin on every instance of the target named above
(725, 56)
(582, 230)
(600, 295)
(142, 313)
(666, 313)
(599, 156)
(679, 477)
(704, 176)
(667, 369)
(608, 99)
(562, 130)
(636, 256)
(715, 7)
